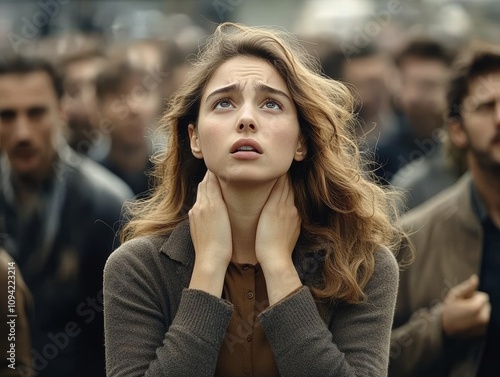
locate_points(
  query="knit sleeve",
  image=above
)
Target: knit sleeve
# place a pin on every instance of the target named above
(140, 339)
(355, 343)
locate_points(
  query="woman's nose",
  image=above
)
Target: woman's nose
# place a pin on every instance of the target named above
(247, 120)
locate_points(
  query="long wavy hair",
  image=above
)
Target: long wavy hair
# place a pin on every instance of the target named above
(336, 199)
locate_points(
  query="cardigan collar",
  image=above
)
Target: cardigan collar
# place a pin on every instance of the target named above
(179, 247)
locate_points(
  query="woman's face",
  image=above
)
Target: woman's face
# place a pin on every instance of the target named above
(248, 129)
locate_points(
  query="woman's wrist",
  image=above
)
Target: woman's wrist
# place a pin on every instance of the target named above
(208, 277)
(281, 280)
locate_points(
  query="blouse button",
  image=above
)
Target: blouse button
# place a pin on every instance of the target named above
(250, 294)
(249, 338)
(245, 268)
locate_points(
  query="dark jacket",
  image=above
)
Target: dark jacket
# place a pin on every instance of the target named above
(425, 177)
(61, 250)
(155, 326)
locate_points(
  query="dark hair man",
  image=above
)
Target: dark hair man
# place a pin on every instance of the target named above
(59, 211)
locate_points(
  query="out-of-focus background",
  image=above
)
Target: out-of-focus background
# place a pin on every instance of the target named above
(387, 21)
(118, 62)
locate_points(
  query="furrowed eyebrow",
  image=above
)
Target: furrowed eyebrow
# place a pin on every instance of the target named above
(269, 89)
(260, 87)
(225, 89)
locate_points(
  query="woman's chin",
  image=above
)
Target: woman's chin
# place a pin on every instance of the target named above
(246, 180)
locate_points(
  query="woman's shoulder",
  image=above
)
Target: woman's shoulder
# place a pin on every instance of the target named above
(386, 272)
(137, 251)
(385, 260)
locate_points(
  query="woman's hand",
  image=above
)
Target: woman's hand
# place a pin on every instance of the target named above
(279, 225)
(211, 233)
(277, 233)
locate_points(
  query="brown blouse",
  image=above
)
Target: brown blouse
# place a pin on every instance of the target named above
(246, 350)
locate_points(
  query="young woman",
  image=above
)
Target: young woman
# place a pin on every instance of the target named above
(264, 250)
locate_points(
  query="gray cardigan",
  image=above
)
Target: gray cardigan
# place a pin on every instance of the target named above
(156, 326)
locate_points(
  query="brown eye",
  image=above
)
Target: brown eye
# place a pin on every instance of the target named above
(36, 112)
(7, 116)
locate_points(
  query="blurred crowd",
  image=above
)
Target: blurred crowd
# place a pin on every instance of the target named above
(78, 121)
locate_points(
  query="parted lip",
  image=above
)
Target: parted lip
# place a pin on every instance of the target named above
(246, 143)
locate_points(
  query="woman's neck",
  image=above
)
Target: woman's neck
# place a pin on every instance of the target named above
(244, 207)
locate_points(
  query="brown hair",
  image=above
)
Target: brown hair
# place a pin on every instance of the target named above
(11, 63)
(84, 55)
(424, 48)
(115, 74)
(480, 58)
(337, 202)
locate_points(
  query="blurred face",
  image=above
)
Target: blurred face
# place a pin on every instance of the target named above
(369, 76)
(247, 130)
(479, 132)
(80, 97)
(422, 94)
(131, 111)
(30, 119)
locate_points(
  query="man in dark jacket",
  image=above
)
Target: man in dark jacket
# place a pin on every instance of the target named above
(60, 212)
